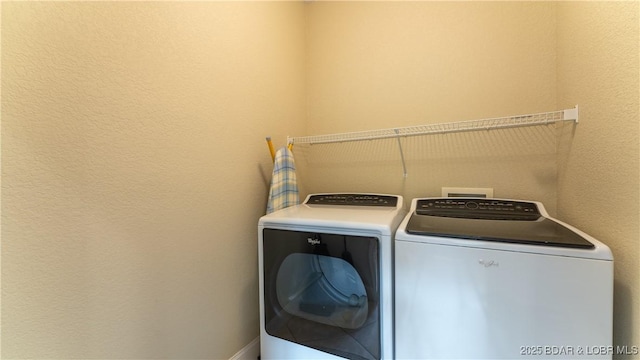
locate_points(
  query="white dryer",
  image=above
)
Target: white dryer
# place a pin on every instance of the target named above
(326, 277)
(499, 279)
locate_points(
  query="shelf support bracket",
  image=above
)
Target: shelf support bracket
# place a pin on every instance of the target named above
(404, 166)
(571, 114)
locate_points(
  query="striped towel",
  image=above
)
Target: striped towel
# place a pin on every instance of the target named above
(284, 188)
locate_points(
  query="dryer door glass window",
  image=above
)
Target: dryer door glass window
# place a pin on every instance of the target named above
(322, 291)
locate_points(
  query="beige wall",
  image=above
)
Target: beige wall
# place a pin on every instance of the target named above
(598, 67)
(133, 151)
(392, 64)
(135, 170)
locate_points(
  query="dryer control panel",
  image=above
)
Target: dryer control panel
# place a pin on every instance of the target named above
(472, 208)
(352, 199)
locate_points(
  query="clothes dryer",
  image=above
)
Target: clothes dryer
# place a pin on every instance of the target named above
(326, 277)
(499, 279)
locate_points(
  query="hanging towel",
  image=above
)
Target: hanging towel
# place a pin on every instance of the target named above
(284, 187)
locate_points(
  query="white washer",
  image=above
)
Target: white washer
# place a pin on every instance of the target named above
(499, 279)
(326, 277)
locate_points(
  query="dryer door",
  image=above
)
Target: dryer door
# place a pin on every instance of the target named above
(322, 290)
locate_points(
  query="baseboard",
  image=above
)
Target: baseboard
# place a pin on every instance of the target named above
(249, 352)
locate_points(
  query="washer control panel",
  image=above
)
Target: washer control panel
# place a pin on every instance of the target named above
(352, 200)
(473, 208)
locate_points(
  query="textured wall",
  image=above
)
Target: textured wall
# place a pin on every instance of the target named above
(134, 167)
(598, 67)
(391, 64)
(135, 170)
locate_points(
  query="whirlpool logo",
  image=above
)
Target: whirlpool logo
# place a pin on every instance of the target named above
(313, 241)
(488, 263)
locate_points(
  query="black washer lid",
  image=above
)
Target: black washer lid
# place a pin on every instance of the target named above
(491, 220)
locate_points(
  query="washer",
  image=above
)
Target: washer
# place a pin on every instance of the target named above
(499, 279)
(326, 277)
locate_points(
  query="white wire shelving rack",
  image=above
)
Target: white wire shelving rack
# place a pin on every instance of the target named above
(545, 118)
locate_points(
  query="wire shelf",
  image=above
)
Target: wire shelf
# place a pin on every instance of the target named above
(545, 118)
